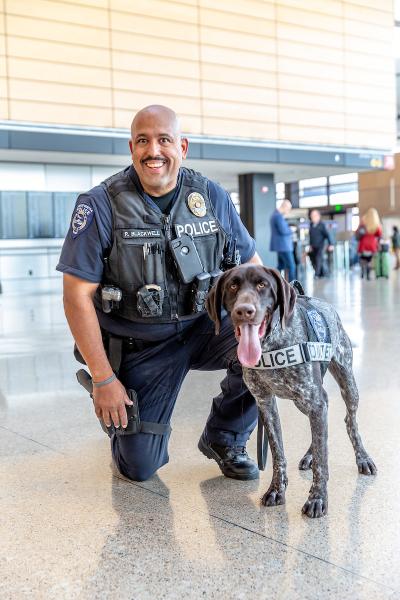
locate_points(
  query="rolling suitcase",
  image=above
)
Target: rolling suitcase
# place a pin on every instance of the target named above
(382, 264)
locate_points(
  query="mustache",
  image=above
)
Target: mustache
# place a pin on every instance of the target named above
(153, 158)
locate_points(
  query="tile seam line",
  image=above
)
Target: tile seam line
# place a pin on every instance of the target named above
(271, 539)
(32, 440)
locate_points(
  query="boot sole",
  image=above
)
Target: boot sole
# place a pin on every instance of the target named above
(211, 455)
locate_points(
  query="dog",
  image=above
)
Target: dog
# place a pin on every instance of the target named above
(272, 326)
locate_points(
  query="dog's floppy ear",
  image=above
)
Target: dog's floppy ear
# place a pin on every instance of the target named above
(286, 296)
(214, 302)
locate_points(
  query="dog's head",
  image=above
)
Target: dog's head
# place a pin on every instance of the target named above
(251, 293)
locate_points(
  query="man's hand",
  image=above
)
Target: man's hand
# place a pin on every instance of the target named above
(330, 248)
(109, 403)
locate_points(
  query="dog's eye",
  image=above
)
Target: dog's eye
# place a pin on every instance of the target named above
(260, 285)
(233, 287)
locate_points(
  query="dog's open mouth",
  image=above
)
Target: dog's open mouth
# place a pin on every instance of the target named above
(249, 349)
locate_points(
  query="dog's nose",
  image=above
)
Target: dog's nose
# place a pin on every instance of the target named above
(244, 311)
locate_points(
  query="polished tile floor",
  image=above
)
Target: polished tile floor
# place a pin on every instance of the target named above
(70, 529)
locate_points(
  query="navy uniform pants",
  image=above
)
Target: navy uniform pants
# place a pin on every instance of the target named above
(157, 373)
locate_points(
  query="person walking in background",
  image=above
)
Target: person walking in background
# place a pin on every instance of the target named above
(319, 234)
(368, 235)
(396, 246)
(282, 241)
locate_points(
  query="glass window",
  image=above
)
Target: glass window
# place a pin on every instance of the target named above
(13, 215)
(280, 191)
(40, 215)
(344, 178)
(64, 203)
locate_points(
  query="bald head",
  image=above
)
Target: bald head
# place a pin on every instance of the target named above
(157, 148)
(156, 112)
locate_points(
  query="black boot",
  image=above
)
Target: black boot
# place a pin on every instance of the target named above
(233, 461)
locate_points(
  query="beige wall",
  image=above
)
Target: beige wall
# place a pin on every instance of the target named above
(381, 190)
(294, 70)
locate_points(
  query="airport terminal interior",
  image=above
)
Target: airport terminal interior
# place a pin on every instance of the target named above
(279, 100)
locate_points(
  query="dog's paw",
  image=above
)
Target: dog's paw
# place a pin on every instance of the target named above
(366, 466)
(273, 497)
(306, 462)
(315, 508)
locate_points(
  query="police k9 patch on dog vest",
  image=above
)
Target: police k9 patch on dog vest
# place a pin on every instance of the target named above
(295, 355)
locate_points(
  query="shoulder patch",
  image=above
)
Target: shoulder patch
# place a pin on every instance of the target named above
(81, 219)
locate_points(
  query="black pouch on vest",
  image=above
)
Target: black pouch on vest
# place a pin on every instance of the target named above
(150, 300)
(186, 257)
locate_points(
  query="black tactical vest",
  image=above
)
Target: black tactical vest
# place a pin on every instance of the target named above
(140, 252)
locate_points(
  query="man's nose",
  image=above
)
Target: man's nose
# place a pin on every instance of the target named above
(244, 311)
(154, 148)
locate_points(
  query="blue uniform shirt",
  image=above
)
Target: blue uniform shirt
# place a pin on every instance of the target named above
(89, 239)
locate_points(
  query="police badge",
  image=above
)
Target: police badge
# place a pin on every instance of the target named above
(81, 219)
(197, 204)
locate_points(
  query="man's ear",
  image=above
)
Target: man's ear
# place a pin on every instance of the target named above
(286, 296)
(184, 147)
(214, 302)
(131, 146)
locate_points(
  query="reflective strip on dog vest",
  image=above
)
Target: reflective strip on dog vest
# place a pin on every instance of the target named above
(295, 355)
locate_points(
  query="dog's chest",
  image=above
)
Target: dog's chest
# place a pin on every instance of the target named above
(289, 381)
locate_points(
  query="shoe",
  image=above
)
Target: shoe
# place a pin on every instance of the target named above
(233, 461)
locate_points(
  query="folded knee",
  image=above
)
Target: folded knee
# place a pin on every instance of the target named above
(138, 472)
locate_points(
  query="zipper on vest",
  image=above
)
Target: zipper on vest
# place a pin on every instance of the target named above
(166, 220)
(172, 285)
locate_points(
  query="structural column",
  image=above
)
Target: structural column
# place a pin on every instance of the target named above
(257, 203)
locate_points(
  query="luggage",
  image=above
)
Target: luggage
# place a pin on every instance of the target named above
(382, 264)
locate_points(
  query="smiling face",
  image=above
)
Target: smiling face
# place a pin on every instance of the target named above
(157, 149)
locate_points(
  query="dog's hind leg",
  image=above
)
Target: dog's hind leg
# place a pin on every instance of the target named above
(275, 494)
(343, 373)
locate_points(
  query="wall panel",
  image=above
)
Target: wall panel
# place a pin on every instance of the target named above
(69, 33)
(154, 26)
(237, 22)
(173, 11)
(52, 72)
(264, 9)
(291, 70)
(45, 112)
(57, 52)
(238, 40)
(63, 12)
(232, 92)
(145, 44)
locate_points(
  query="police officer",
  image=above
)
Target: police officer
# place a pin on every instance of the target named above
(136, 307)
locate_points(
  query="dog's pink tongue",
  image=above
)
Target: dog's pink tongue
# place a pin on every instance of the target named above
(249, 348)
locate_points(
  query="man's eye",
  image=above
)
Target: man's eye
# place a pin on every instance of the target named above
(141, 141)
(234, 287)
(165, 140)
(260, 285)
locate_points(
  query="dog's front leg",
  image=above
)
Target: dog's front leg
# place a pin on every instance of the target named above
(317, 503)
(270, 416)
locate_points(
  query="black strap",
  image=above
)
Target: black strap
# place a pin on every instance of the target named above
(115, 352)
(155, 428)
(262, 444)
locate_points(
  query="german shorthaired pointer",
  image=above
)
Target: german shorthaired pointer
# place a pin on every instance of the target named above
(272, 325)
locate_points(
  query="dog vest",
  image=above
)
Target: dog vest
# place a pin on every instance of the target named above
(317, 348)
